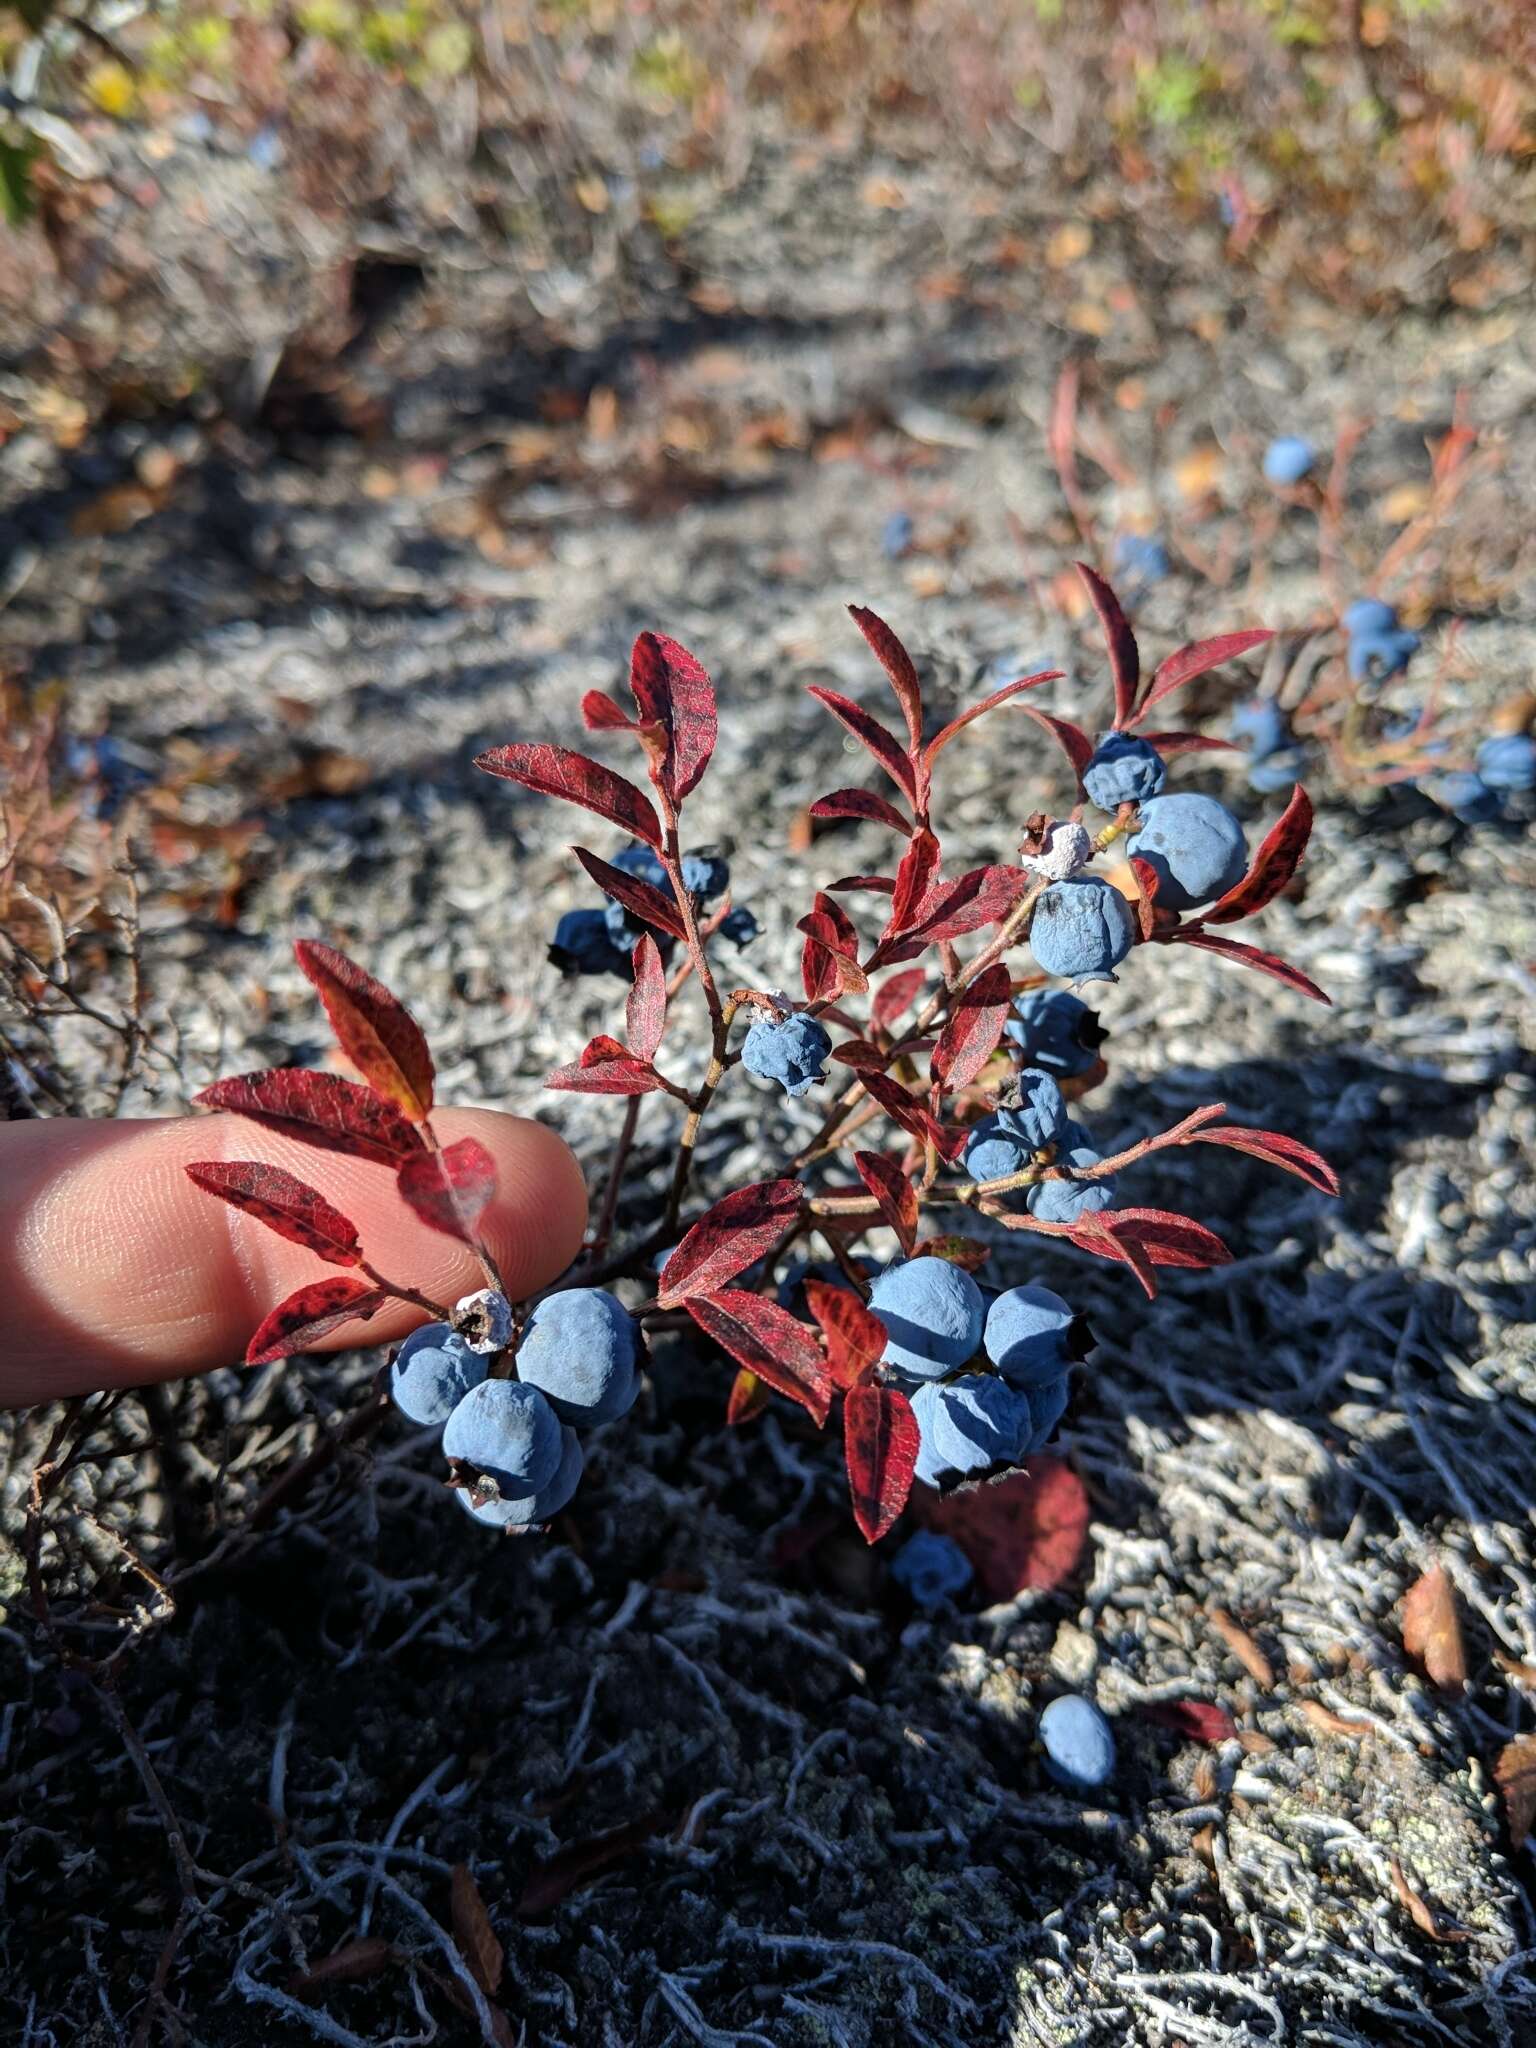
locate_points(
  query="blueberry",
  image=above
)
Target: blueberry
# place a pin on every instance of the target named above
(1289, 459)
(433, 1370)
(933, 1568)
(969, 1425)
(1508, 761)
(1368, 615)
(1064, 1201)
(639, 861)
(578, 1349)
(510, 1432)
(1028, 1333)
(896, 536)
(1279, 770)
(1123, 770)
(1262, 724)
(540, 1505)
(1056, 1030)
(1079, 1744)
(1380, 656)
(705, 875)
(1195, 847)
(1082, 930)
(991, 1153)
(583, 944)
(1141, 555)
(933, 1314)
(739, 926)
(1047, 1405)
(791, 1050)
(1031, 1108)
(1466, 796)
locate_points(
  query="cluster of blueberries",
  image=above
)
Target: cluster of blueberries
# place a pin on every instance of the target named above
(1506, 767)
(975, 1415)
(1276, 758)
(577, 1363)
(602, 941)
(1380, 646)
(1031, 1127)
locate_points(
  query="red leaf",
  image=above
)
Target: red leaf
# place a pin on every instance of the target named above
(894, 1191)
(556, 771)
(860, 803)
(1072, 740)
(897, 663)
(473, 1934)
(914, 879)
(1432, 1636)
(643, 899)
(285, 1204)
(976, 1023)
(604, 1067)
(740, 1228)
(1144, 906)
(872, 734)
(833, 927)
(374, 1029)
(1195, 1720)
(599, 713)
(1024, 1531)
(856, 1337)
(1098, 1234)
(969, 1252)
(749, 1397)
(859, 1054)
(880, 1443)
(982, 897)
(768, 1341)
(320, 1109)
(1186, 663)
(1169, 1239)
(907, 1111)
(1170, 743)
(645, 1010)
(895, 997)
(1252, 956)
(1124, 657)
(310, 1314)
(1273, 866)
(554, 1877)
(882, 885)
(818, 964)
(450, 1189)
(941, 740)
(674, 692)
(1277, 1149)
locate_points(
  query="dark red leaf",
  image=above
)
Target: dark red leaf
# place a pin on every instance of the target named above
(969, 1252)
(645, 1011)
(556, 771)
(856, 1337)
(1186, 663)
(898, 665)
(1072, 740)
(285, 1204)
(975, 1025)
(1170, 743)
(896, 996)
(907, 1111)
(604, 1067)
(880, 1443)
(450, 1189)
(1169, 1239)
(872, 734)
(1124, 657)
(674, 692)
(831, 926)
(1097, 1233)
(1144, 905)
(599, 713)
(1277, 1149)
(894, 1191)
(860, 803)
(1273, 866)
(1025, 1531)
(882, 885)
(310, 1314)
(982, 897)
(768, 1341)
(942, 739)
(320, 1109)
(1195, 1720)
(553, 1878)
(859, 1054)
(641, 898)
(749, 1397)
(473, 1934)
(1253, 956)
(818, 962)
(353, 1963)
(914, 880)
(374, 1029)
(740, 1228)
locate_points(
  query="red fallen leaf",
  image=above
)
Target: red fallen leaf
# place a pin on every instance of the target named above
(898, 665)
(768, 1341)
(727, 1238)
(749, 1397)
(914, 879)
(1514, 1772)
(1170, 743)
(1169, 1239)
(553, 1878)
(896, 996)
(604, 1067)
(907, 1111)
(1027, 1530)
(975, 1025)
(1432, 1630)
(1273, 865)
(860, 803)
(969, 1252)
(1185, 663)
(941, 740)
(645, 1009)
(872, 734)
(856, 1337)
(894, 1191)
(311, 1313)
(556, 771)
(1196, 1720)
(599, 713)
(643, 899)
(983, 896)
(374, 1029)
(674, 691)
(1252, 956)
(1279, 1150)
(1426, 1917)
(1071, 739)
(880, 1444)
(473, 1934)
(1124, 656)
(450, 1189)
(320, 1109)
(353, 1963)
(285, 1204)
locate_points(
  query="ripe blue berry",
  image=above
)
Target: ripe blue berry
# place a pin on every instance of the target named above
(1194, 845)
(1047, 1405)
(539, 1506)
(1064, 1201)
(433, 1370)
(1079, 1744)
(1288, 459)
(739, 926)
(933, 1568)
(991, 1153)
(1262, 724)
(1056, 1030)
(1279, 770)
(1368, 615)
(1027, 1335)
(1123, 770)
(932, 1311)
(1466, 796)
(896, 536)
(1142, 556)
(969, 1425)
(1082, 930)
(1508, 761)
(1378, 646)
(791, 1050)
(508, 1431)
(1031, 1108)
(583, 944)
(705, 875)
(578, 1349)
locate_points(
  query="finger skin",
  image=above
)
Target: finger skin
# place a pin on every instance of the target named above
(118, 1269)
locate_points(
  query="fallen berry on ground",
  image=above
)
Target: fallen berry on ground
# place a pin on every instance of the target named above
(1078, 1742)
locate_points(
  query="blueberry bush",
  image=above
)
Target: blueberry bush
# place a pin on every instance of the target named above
(952, 1083)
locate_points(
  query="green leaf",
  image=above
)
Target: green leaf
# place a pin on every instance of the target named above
(18, 201)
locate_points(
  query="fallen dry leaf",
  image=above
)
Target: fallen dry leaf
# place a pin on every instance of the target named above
(1243, 1647)
(1422, 1913)
(473, 1932)
(1026, 1530)
(1514, 1772)
(352, 1963)
(1432, 1630)
(1329, 1723)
